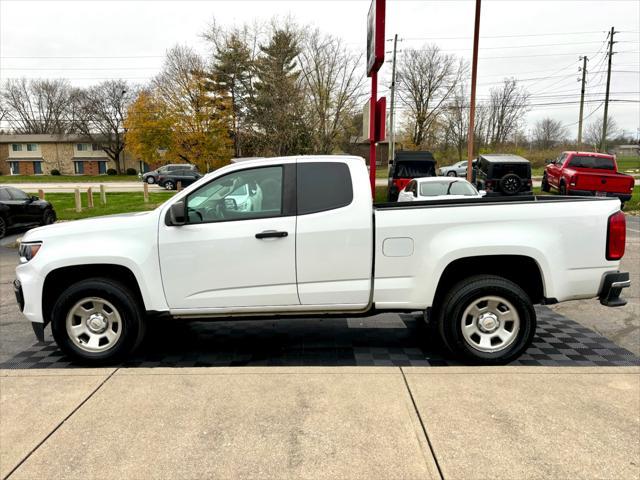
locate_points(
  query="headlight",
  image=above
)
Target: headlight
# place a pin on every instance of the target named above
(28, 250)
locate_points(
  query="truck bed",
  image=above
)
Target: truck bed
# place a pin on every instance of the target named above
(475, 201)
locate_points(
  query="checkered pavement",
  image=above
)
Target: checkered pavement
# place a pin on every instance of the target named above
(388, 339)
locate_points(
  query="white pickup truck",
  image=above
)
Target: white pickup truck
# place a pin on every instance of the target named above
(299, 236)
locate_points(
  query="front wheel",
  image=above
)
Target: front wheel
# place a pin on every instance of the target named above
(451, 174)
(150, 180)
(48, 217)
(486, 319)
(97, 321)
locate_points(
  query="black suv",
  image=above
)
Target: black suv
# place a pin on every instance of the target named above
(406, 166)
(503, 174)
(152, 176)
(186, 176)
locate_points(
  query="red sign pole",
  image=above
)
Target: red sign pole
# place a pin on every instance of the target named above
(372, 132)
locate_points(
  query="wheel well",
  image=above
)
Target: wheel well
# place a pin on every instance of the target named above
(521, 270)
(58, 280)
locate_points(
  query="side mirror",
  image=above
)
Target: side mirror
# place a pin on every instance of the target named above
(34, 198)
(176, 214)
(482, 193)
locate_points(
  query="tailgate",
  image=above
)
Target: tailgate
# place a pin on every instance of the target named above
(597, 181)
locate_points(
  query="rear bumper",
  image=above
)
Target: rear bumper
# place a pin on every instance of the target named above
(612, 285)
(625, 197)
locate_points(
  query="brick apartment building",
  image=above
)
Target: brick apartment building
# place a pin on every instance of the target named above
(39, 154)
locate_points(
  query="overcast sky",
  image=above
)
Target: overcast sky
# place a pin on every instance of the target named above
(530, 40)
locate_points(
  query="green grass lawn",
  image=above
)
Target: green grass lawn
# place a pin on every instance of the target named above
(66, 178)
(117, 202)
(628, 163)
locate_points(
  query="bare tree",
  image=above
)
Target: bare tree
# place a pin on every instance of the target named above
(548, 133)
(593, 132)
(426, 80)
(507, 106)
(101, 112)
(333, 83)
(457, 122)
(37, 106)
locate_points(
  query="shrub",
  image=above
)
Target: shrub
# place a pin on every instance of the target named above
(112, 171)
(132, 171)
(55, 172)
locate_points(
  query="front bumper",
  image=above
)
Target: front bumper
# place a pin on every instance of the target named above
(624, 197)
(612, 285)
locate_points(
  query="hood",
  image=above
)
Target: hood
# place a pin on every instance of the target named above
(127, 222)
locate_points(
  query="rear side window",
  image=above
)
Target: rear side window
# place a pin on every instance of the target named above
(592, 162)
(323, 186)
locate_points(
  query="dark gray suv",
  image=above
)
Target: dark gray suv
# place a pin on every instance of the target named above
(152, 176)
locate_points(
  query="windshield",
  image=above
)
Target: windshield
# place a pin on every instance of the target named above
(599, 163)
(432, 189)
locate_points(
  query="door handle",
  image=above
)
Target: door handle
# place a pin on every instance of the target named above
(271, 234)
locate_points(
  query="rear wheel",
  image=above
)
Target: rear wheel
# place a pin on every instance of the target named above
(169, 185)
(486, 319)
(97, 321)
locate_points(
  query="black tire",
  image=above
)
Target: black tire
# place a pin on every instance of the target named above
(48, 217)
(452, 174)
(449, 313)
(544, 185)
(169, 185)
(150, 180)
(510, 184)
(126, 305)
(3, 227)
(563, 188)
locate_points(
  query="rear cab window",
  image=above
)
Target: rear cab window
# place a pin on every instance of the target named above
(323, 186)
(598, 163)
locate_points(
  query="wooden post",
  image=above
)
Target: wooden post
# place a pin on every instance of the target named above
(41, 194)
(89, 197)
(103, 194)
(179, 185)
(78, 200)
(146, 192)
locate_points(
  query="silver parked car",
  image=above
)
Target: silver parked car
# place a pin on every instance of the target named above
(458, 169)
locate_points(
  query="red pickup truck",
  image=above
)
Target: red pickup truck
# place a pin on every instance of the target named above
(587, 173)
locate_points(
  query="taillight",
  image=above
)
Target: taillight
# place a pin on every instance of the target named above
(574, 181)
(616, 236)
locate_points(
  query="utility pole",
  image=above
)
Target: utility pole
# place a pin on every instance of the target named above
(603, 145)
(584, 77)
(472, 109)
(391, 153)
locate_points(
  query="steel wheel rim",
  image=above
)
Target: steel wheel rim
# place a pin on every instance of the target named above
(94, 325)
(490, 324)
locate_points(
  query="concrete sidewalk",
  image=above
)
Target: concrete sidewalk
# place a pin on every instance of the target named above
(316, 422)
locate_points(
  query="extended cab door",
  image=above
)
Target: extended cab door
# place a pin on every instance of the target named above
(237, 249)
(334, 250)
